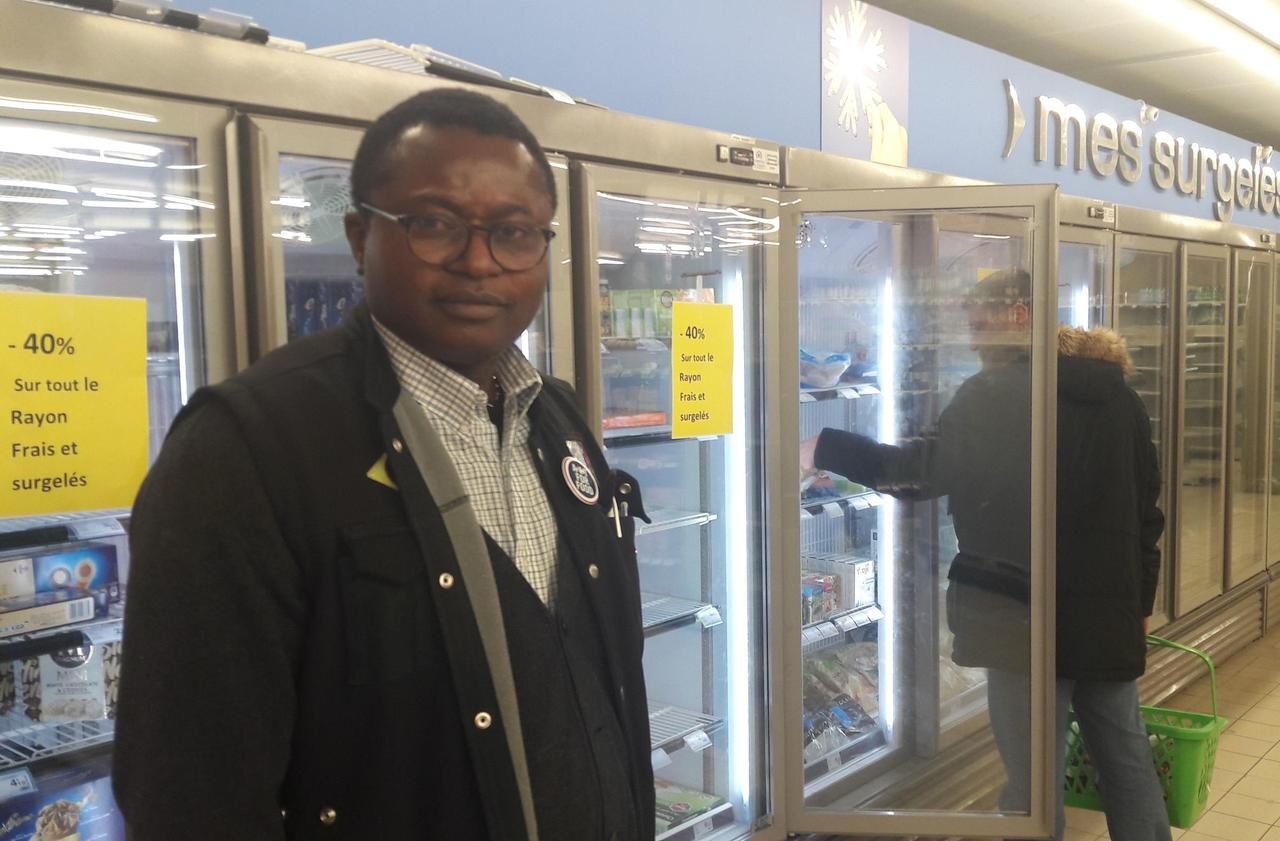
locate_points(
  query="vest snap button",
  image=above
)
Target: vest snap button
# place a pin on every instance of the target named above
(397, 445)
(483, 720)
(624, 488)
(328, 817)
(446, 580)
(593, 571)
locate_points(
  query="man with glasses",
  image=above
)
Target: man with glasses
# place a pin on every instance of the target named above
(384, 582)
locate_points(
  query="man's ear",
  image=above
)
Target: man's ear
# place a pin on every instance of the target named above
(357, 227)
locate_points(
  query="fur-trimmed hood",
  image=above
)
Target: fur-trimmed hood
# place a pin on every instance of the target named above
(1092, 364)
(1100, 343)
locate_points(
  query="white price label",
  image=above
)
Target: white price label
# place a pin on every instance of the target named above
(96, 529)
(15, 783)
(833, 510)
(659, 759)
(703, 827)
(710, 617)
(805, 514)
(806, 397)
(867, 390)
(698, 741)
(874, 500)
(833, 763)
(849, 393)
(861, 503)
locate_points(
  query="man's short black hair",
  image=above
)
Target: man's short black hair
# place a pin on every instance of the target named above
(440, 108)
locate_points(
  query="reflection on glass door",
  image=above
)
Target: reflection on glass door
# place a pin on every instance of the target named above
(916, 552)
(111, 212)
(1145, 273)
(115, 196)
(1273, 506)
(1247, 488)
(307, 280)
(1203, 391)
(1084, 272)
(656, 243)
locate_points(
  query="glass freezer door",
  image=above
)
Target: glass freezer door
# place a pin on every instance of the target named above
(652, 246)
(1146, 275)
(923, 323)
(303, 275)
(1201, 491)
(101, 194)
(1084, 276)
(1247, 475)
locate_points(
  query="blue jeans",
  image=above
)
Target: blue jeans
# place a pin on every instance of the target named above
(1112, 727)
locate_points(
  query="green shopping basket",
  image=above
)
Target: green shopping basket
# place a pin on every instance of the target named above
(1183, 745)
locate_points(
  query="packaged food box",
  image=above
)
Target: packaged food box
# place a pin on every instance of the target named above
(677, 806)
(42, 611)
(17, 577)
(76, 684)
(87, 569)
(69, 804)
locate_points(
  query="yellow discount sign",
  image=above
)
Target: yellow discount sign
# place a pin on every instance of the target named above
(701, 370)
(73, 388)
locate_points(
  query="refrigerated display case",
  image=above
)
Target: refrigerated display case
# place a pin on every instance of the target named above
(101, 194)
(650, 242)
(1202, 396)
(1248, 415)
(303, 275)
(889, 327)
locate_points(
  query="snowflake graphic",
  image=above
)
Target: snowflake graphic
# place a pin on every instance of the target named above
(851, 65)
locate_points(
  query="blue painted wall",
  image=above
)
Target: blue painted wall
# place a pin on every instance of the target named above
(750, 67)
(958, 122)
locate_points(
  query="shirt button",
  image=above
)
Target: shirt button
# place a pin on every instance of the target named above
(483, 720)
(397, 445)
(593, 571)
(446, 580)
(328, 817)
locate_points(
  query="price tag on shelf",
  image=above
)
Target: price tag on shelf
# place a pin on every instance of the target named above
(74, 393)
(828, 630)
(809, 636)
(874, 500)
(806, 514)
(704, 827)
(701, 369)
(867, 390)
(860, 502)
(833, 763)
(846, 622)
(709, 617)
(849, 393)
(698, 741)
(806, 397)
(833, 510)
(15, 783)
(95, 529)
(659, 759)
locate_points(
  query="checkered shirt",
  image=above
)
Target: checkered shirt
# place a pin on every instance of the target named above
(500, 477)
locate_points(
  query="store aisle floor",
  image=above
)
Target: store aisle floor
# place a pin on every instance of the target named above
(1244, 799)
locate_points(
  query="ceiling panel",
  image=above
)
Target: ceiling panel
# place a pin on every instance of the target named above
(1166, 52)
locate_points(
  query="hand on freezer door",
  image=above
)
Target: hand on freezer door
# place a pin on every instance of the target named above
(808, 449)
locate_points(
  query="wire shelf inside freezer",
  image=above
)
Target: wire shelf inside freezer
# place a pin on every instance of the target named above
(837, 506)
(42, 521)
(666, 520)
(24, 741)
(660, 612)
(668, 725)
(841, 760)
(701, 829)
(836, 630)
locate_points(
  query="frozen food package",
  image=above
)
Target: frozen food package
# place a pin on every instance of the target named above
(69, 803)
(824, 371)
(850, 717)
(76, 684)
(841, 679)
(677, 805)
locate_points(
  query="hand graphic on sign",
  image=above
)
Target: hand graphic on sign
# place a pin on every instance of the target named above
(888, 137)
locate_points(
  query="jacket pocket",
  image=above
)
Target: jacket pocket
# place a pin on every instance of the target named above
(384, 597)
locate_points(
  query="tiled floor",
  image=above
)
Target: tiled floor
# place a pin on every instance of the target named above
(1244, 799)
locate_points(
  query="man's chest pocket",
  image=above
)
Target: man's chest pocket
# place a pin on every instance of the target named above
(387, 622)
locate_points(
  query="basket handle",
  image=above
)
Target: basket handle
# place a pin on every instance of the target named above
(1213, 681)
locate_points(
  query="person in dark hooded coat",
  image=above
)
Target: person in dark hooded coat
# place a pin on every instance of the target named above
(1108, 528)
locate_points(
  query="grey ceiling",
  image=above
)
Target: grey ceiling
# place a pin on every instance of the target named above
(1162, 51)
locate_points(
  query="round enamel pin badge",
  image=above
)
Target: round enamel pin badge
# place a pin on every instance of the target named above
(581, 480)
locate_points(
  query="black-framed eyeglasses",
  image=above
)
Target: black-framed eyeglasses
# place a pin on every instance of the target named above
(439, 240)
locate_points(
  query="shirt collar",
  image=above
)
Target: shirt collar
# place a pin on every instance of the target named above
(451, 397)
